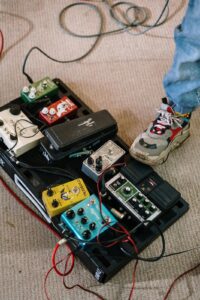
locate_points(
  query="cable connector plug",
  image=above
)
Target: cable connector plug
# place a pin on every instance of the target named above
(62, 242)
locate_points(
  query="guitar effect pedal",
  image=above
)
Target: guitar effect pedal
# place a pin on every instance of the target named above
(61, 197)
(58, 110)
(132, 199)
(101, 159)
(85, 219)
(17, 132)
(37, 90)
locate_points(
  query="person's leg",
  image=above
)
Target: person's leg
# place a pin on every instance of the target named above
(182, 86)
(182, 82)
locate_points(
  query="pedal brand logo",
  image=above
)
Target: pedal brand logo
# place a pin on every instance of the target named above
(88, 123)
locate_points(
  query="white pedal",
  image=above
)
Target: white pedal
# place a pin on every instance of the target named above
(104, 157)
(17, 132)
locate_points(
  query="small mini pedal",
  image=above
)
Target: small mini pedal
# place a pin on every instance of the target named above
(85, 220)
(104, 157)
(58, 110)
(61, 197)
(37, 90)
(17, 131)
(132, 199)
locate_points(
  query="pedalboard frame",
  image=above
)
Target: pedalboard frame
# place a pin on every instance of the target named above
(102, 262)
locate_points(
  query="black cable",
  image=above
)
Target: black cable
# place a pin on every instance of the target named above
(16, 134)
(125, 26)
(72, 60)
(45, 169)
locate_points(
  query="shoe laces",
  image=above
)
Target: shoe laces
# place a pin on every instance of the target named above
(165, 120)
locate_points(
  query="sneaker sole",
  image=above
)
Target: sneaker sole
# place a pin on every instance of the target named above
(157, 160)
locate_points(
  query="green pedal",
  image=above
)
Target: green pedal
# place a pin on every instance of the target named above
(132, 199)
(37, 90)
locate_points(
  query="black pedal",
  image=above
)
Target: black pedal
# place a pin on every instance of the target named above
(69, 137)
(160, 192)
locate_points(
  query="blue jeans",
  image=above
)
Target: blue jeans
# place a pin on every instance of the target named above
(182, 82)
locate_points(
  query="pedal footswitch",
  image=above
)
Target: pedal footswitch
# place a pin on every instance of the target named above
(61, 197)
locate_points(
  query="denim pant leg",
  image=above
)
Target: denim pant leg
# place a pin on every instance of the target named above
(182, 82)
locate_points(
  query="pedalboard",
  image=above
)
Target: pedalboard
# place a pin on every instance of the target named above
(132, 199)
(58, 110)
(17, 132)
(85, 220)
(103, 158)
(40, 89)
(82, 145)
(61, 197)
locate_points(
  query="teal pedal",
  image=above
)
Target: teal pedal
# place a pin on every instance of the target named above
(85, 220)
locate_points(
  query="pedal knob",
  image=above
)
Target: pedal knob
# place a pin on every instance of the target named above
(31, 95)
(1, 122)
(80, 211)
(90, 161)
(99, 160)
(15, 110)
(70, 214)
(139, 196)
(84, 220)
(86, 234)
(50, 192)
(99, 164)
(55, 203)
(44, 84)
(127, 190)
(13, 137)
(92, 225)
(45, 111)
(25, 90)
(52, 111)
(33, 90)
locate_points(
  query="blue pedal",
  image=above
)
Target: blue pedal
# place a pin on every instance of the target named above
(85, 220)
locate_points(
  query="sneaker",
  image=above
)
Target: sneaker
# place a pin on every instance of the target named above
(169, 130)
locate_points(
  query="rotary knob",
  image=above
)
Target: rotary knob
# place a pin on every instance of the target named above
(92, 225)
(25, 90)
(80, 211)
(52, 111)
(127, 190)
(15, 109)
(86, 234)
(55, 203)
(45, 111)
(70, 214)
(84, 220)
(49, 192)
(90, 161)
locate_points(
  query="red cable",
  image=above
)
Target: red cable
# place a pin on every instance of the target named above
(133, 281)
(53, 259)
(1, 42)
(79, 286)
(46, 277)
(177, 278)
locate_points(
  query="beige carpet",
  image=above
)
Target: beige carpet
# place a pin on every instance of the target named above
(124, 74)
